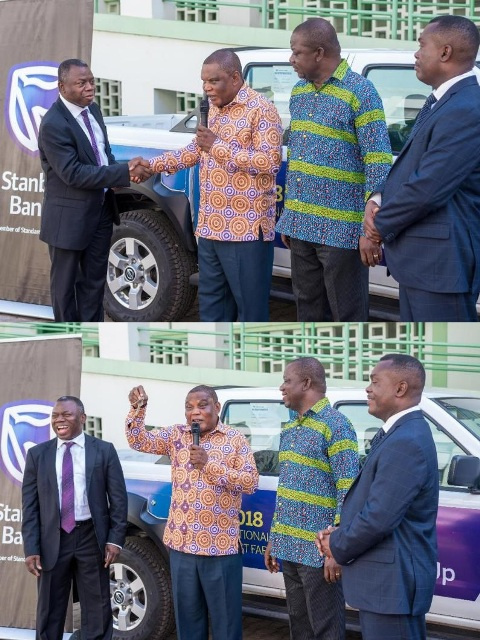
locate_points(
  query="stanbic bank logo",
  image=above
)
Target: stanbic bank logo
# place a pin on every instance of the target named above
(22, 425)
(32, 88)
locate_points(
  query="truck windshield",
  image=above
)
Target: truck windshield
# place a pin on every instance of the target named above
(465, 410)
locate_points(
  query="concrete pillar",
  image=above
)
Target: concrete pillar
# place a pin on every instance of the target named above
(203, 342)
(120, 341)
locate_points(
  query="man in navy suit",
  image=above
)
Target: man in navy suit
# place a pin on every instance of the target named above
(79, 207)
(386, 540)
(98, 524)
(429, 219)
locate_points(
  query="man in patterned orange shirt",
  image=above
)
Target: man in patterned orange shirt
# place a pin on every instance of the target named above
(202, 530)
(239, 154)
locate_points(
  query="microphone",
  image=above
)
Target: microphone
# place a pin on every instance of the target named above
(196, 433)
(204, 107)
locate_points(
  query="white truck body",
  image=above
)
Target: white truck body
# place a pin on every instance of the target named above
(259, 413)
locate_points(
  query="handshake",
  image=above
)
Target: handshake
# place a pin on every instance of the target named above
(139, 169)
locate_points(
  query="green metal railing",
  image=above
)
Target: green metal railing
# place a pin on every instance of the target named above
(401, 16)
(359, 15)
(246, 348)
(347, 352)
(89, 332)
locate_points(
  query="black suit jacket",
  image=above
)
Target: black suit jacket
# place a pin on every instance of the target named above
(106, 493)
(430, 213)
(74, 183)
(387, 534)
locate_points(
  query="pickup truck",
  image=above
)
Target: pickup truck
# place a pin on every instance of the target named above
(140, 584)
(152, 264)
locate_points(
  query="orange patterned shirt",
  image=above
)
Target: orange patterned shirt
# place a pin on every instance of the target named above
(203, 516)
(237, 176)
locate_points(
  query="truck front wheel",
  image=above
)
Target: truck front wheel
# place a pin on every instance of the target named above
(148, 270)
(140, 593)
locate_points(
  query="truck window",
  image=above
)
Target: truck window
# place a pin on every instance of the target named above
(275, 82)
(402, 95)
(465, 410)
(446, 449)
(260, 422)
(366, 426)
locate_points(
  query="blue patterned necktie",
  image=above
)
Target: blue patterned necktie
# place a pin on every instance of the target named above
(67, 512)
(93, 140)
(376, 439)
(423, 113)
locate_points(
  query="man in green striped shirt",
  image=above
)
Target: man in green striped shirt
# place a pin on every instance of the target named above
(338, 155)
(318, 463)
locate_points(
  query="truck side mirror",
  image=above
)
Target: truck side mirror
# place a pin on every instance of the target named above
(464, 471)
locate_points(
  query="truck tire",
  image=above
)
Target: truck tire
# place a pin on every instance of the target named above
(148, 270)
(141, 593)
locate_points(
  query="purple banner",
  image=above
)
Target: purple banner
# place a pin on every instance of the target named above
(458, 567)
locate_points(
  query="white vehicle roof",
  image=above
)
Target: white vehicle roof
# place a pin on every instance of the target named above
(357, 58)
(336, 390)
(367, 55)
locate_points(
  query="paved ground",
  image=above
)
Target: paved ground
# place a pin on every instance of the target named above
(266, 629)
(280, 311)
(260, 629)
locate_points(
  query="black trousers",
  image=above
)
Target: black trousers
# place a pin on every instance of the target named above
(207, 588)
(329, 283)
(428, 306)
(316, 608)
(379, 626)
(80, 559)
(77, 278)
(234, 280)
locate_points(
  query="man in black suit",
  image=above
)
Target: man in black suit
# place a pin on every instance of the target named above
(74, 523)
(386, 541)
(79, 205)
(430, 209)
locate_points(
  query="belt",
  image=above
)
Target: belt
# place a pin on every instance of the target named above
(83, 523)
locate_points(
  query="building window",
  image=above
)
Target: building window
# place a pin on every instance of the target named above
(91, 350)
(93, 427)
(109, 96)
(109, 6)
(187, 102)
(283, 19)
(188, 12)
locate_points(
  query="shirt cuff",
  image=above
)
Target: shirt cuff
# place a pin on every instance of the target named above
(115, 545)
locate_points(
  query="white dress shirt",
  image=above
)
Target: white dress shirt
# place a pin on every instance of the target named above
(75, 110)
(391, 421)
(82, 510)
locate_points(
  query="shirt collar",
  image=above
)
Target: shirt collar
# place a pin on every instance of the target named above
(341, 71)
(391, 421)
(220, 427)
(74, 109)
(241, 97)
(444, 87)
(339, 74)
(317, 407)
(80, 440)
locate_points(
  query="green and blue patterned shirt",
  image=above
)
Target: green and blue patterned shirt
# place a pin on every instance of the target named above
(318, 463)
(338, 154)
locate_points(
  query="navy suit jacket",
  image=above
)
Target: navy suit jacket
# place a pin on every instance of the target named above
(75, 184)
(387, 534)
(430, 214)
(106, 494)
